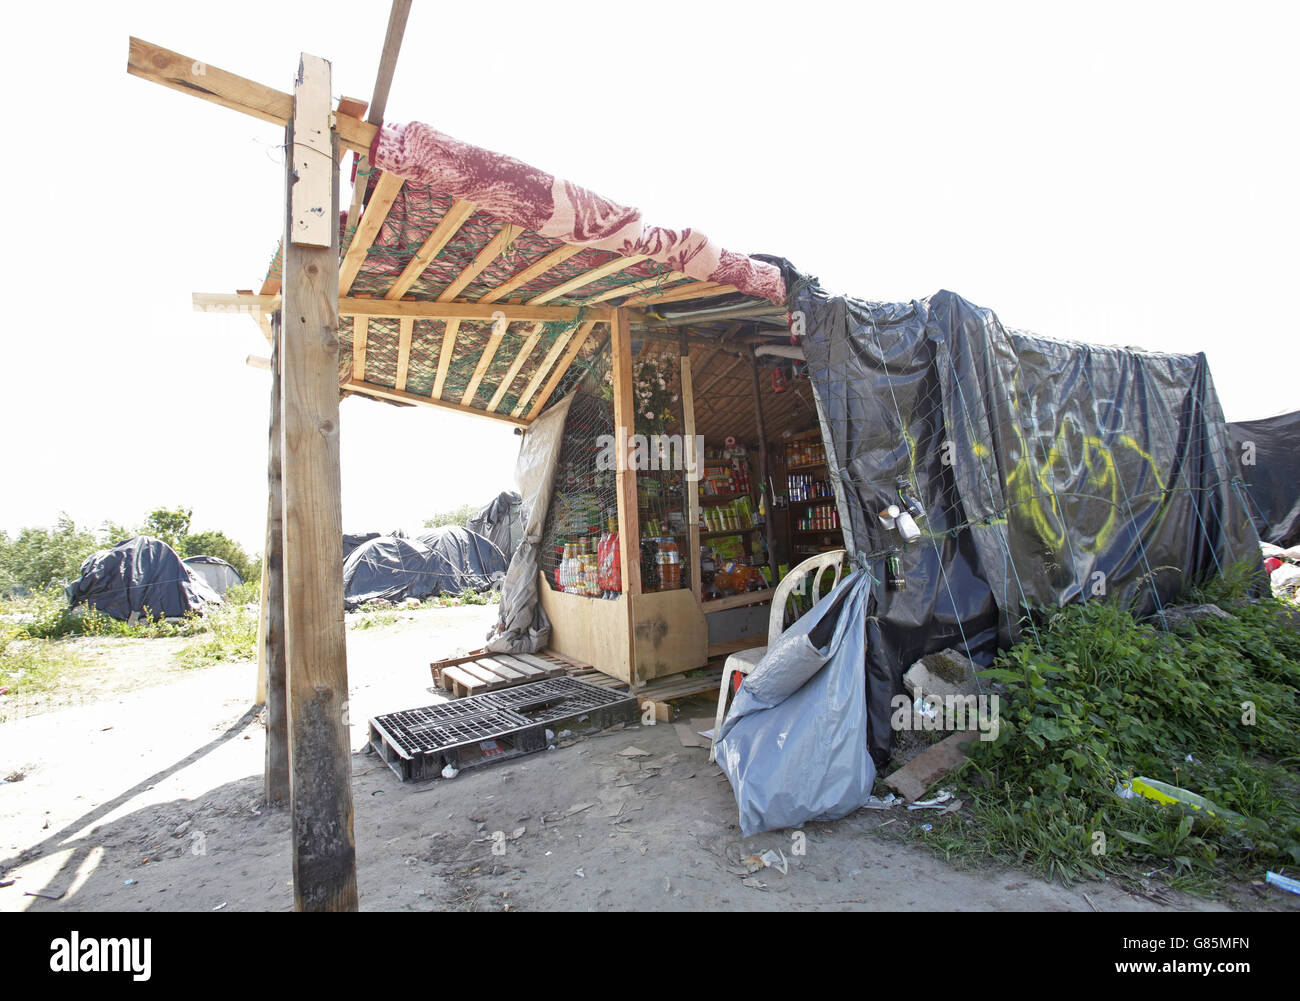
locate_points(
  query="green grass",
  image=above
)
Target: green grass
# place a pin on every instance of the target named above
(1107, 698)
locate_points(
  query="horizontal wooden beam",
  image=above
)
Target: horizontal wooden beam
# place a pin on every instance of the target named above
(397, 395)
(249, 302)
(208, 83)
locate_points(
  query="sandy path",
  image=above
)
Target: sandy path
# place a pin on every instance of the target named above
(151, 800)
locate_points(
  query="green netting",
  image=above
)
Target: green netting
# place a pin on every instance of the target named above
(550, 333)
(426, 345)
(381, 352)
(470, 342)
(345, 348)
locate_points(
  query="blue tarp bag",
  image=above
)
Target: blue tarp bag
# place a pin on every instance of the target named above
(794, 743)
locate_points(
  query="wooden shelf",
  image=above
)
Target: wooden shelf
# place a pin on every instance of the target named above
(738, 600)
(806, 465)
(728, 531)
(722, 498)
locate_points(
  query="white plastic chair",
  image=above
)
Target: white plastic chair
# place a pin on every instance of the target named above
(744, 661)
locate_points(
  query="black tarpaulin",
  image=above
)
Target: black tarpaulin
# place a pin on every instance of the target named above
(1267, 453)
(142, 575)
(1047, 472)
(393, 567)
(501, 522)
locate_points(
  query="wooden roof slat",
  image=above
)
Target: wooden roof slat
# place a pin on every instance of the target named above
(642, 286)
(360, 337)
(522, 356)
(533, 271)
(695, 290)
(445, 356)
(587, 277)
(405, 329)
(400, 396)
(542, 370)
(486, 256)
(448, 226)
(575, 346)
(381, 200)
(484, 360)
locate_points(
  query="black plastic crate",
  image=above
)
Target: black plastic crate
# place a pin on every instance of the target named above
(418, 743)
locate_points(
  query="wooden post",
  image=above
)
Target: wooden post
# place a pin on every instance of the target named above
(768, 521)
(324, 859)
(691, 488)
(272, 653)
(629, 521)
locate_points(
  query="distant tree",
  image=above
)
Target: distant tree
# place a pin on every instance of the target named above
(170, 525)
(111, 533)
(456, 516)
(41, 556)
(223, 547)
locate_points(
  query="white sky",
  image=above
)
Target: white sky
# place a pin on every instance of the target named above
(1119, 173)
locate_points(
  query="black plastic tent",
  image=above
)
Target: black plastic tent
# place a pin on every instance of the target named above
(1268, 454)
(1037, 472)
(501, 522)
(215, 572)
(444, 561)
(143, 576)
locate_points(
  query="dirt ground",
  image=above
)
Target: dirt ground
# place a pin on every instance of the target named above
(150, 799)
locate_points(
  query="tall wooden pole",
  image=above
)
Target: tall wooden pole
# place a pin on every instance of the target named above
(629, 520)
(691, 488)
(324, 859)
(764, 490)
(276, 694)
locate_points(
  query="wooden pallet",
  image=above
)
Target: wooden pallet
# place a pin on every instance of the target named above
(480, 671)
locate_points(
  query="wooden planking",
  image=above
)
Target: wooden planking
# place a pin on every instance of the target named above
(252, 304)
(524, 351)
(494, 248)
(381, 200)
(208, 83)
(405, 328)
(484, 360)
(552, 353)
(587, 277)
(575, 346)
(360, 341)
(533, 271)
(399, 396)
(445, 355)
(324, 846)
(448, 226)
(719, 375)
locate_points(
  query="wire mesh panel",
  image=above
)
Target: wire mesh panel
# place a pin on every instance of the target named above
(661, 456)
(580, 538)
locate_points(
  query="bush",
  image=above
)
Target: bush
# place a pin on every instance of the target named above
(1106, 698)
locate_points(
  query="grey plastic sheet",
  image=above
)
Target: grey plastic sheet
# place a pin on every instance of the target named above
(522, 624)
